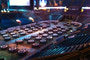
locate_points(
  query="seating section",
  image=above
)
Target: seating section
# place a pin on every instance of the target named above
(80, 41)
(72, 12)
(9, 20)
(66, 2)
(60, 50)
(86, 2)
(5, 23)
(84, 17)
(55, 15)
(77, 2)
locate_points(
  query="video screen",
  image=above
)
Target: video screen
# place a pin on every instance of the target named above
(19, 2)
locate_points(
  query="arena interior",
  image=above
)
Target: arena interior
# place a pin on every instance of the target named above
(44, 29)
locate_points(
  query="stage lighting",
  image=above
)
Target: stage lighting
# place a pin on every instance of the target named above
(71, 31)
(8, 11)
(18, 21)
(30, 18)
(2, 11)
(82, 10)
(65, 10)
(42, 3)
